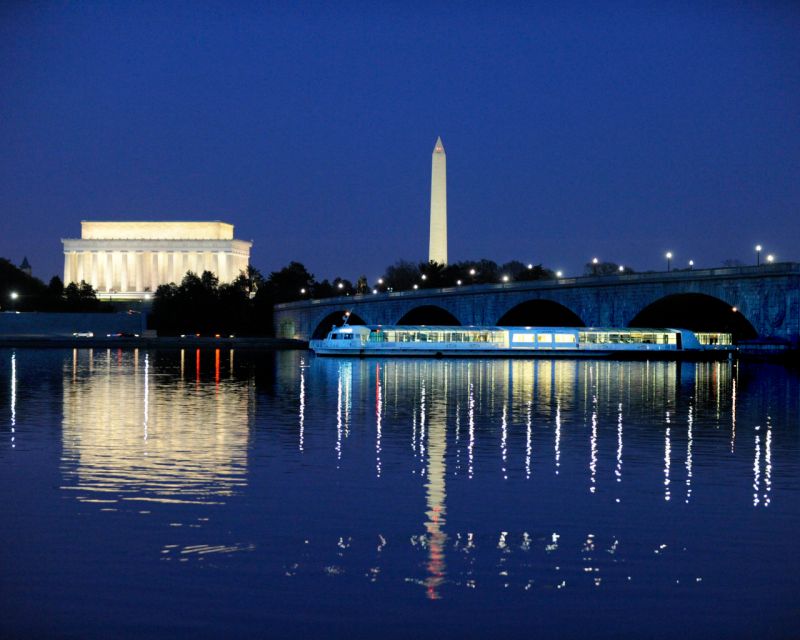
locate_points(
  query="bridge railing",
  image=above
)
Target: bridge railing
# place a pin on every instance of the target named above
(774, 269)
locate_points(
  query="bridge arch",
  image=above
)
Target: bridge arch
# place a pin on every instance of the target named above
(430, 314)
(540, 312)
(695, 311)
(334, 318)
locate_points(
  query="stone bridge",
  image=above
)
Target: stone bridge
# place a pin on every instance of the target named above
(761, 301)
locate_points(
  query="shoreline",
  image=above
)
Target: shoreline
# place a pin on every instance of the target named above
(142, 342)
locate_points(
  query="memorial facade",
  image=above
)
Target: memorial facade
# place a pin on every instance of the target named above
(129, 260)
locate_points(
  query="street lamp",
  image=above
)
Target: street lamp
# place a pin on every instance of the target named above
(505, 278)
(770, 258)
(758, 254)
(340, 285)
(530, 265)
(416, 286)
(691, 264)
(669, 259)
(472, 272)
(458, 282)
(559, 274)
(621, 268)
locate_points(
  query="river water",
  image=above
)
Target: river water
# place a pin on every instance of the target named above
(233, 494)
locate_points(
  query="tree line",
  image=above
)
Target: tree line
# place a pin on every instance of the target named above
(200, 304)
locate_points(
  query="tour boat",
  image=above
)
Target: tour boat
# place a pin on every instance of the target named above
(471, 341)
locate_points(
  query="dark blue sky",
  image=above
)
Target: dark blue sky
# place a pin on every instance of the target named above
(572, 129)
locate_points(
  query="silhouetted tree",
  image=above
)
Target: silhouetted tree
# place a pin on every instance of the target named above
(401, 276)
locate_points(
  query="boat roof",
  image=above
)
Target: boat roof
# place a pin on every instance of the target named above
(433, 327)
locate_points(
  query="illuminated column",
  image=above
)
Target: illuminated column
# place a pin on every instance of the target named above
(139, 270)
(222, 266)
(67, 269)
(437, 251)
(130, 270)
(94, 270)
(168, 268)
(154, 264)
(79, 268)
(111, 272)
(122, 270)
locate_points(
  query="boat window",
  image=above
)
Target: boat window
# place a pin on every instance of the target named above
(565, 337)
(544, 337)
(523, 337)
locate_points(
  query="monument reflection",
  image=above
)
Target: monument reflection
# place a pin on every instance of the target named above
(451, 407)
(132, 433)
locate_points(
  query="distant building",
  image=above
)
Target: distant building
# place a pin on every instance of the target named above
(129, 260)
(25, 267)
(437, 245)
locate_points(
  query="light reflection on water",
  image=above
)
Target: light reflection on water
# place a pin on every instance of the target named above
(498, 476)
(130, 434)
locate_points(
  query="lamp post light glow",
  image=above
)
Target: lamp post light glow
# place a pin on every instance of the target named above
(380, 280)
(758, 255)
(530, 265)
(472, 272)
(458, 282)
(595, 261)
(14, 295)
(770, 258)
(559, 274)
(340, 285)
(424, 277)
(691, 264)
(374, 291)
(302, 291)
(505, 278)
(621, 268)
(416, 286)
(669, 259)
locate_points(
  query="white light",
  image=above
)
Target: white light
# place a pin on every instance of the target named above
(621, 268)
(374, 291)
(146, 296)
(559, 274)
(302, 290)
(595, 261)
(691, 263)
(669, 255)
(341, 285)
(472, 272)
(505, 278)
(416, 286)
(458, 282)
(770, 258)
(424, 277)
(530, 265)
(734, 309)
(380, 280)
(14, 295)
(758, 247)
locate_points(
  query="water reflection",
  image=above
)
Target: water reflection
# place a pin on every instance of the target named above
(177, 427)
(130, 435)
(13, 399)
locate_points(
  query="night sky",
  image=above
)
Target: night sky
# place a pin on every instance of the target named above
(572, 130)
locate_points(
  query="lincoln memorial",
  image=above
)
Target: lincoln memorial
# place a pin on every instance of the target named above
(128, 260)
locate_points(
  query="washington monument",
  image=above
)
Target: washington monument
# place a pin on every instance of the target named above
(437, 249)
